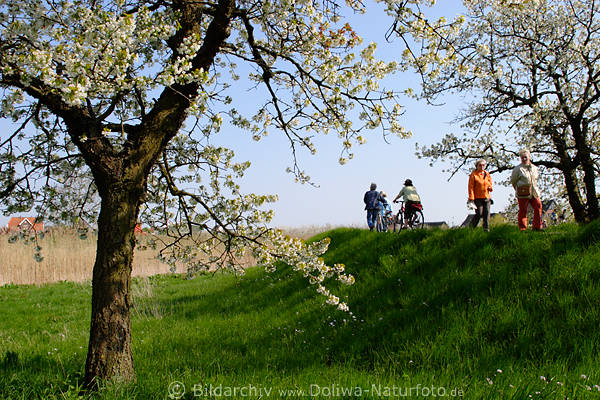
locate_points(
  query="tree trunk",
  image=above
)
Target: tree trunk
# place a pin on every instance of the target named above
(589, 174)
(109, 352)
(121, 181)
(575, 200)
(589, 179)
(567, 168)
(580, 135)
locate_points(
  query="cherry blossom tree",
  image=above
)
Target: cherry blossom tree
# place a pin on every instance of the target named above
(116, 103)
(531, 72)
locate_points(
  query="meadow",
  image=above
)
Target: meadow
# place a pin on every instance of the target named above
(434, 313)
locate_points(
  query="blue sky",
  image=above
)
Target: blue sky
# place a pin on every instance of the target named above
(338, 199)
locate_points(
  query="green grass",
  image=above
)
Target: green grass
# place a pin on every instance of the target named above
(441, 309)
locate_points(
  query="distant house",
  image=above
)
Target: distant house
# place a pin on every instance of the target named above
(494, 217)
(440, 224)
(24, 224)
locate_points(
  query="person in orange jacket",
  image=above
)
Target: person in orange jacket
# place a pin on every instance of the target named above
(480, 186)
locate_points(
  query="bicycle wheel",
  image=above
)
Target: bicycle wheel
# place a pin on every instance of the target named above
(398, 222)
(388, 221)
(383, 224)
(379, 224)
(416, 220)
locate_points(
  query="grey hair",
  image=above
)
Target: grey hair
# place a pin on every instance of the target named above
(523, 152)
(480, 161)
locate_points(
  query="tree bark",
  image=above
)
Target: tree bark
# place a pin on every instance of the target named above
(109, 351)
(589, 173)
(567, 167)
(575, 200)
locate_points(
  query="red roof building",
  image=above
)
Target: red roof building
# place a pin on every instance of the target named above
(25, 223)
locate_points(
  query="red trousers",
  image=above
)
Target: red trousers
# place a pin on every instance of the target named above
(536, 204)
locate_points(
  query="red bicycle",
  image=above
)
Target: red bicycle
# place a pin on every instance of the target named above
(409, 219)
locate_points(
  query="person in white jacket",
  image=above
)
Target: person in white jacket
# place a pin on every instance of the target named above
(524, 179)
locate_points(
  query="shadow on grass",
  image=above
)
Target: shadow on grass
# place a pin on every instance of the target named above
(35, 376)
(430, 297)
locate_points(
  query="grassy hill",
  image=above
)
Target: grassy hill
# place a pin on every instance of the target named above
(433, 312)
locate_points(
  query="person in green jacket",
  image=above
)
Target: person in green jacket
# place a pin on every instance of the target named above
(410, 196)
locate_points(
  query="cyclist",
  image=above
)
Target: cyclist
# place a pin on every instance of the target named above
(411, 198)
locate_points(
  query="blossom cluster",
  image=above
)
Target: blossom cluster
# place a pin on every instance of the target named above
(304, 258)
(82, 52)
(241, 237)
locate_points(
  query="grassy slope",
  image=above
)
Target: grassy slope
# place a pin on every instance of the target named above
(436, 308)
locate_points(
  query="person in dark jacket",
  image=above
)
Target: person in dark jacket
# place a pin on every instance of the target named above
(372, 199)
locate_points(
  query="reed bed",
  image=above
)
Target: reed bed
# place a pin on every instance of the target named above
(67, 257)
(308, 231)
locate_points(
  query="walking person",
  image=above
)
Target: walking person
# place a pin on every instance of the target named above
(524, 179)
(372, 199)
(480, 186)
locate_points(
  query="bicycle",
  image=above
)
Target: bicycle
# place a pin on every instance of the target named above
(384, 221)
(415, 218)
